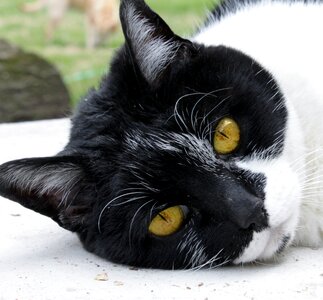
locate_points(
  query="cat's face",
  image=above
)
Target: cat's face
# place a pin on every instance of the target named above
(186, 157)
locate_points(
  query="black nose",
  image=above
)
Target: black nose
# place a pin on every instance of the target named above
(255, 218)
(249, 213)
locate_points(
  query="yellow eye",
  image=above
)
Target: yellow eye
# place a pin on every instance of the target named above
(167, 221)
(226, 136)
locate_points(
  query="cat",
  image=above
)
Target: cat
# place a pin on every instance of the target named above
(196, 152)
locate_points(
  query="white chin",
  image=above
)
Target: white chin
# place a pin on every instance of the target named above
(268, 243)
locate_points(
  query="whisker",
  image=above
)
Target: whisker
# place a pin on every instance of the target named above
(130, 200)
(311, 184)
(113, 200)
(220, 264)
(308, 162)
(195, 105)
(308, 181)
(180, 117)
(211, 260)
(214, 108)
(151, 210)
(176, 113)
(133, 219)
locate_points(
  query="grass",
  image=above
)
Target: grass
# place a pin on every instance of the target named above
(82, 68)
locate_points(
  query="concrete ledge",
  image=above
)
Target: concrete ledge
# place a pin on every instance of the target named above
(40, 260)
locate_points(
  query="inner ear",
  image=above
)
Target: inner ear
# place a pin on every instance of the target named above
(152, 43)
(56, 187)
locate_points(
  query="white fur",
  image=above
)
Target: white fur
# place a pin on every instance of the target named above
(198, 152)
(286, 40)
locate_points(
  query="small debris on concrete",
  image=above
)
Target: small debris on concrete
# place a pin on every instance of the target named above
(15, 215)
(102, 277)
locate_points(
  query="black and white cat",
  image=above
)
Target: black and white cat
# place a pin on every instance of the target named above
(194, 152)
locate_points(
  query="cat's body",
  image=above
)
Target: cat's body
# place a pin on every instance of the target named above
(194, 152)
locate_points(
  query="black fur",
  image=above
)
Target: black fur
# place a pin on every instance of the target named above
(127, 105)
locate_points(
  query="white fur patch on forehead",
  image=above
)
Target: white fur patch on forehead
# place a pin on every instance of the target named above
(199, 152)
(153, 53)
(196, 151)
(136, 140)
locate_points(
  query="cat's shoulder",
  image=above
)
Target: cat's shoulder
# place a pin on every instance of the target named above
(226, 7)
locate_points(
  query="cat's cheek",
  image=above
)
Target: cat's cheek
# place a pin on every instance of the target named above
(282, 193)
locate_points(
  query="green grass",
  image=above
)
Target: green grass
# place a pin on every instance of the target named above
(82, 68)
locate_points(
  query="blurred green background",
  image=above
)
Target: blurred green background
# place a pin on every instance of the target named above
(80, 67)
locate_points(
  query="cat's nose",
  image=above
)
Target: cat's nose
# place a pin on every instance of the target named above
(250, 214)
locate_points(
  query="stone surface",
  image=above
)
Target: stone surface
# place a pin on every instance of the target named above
(30, 87)
(41, 261)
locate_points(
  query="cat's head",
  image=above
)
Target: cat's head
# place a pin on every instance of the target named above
(184, 157)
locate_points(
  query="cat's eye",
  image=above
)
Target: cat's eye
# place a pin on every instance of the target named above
(168, 221)
(226, 136)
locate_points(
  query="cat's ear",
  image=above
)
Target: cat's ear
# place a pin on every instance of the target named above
(56, 187)
(153, 45)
